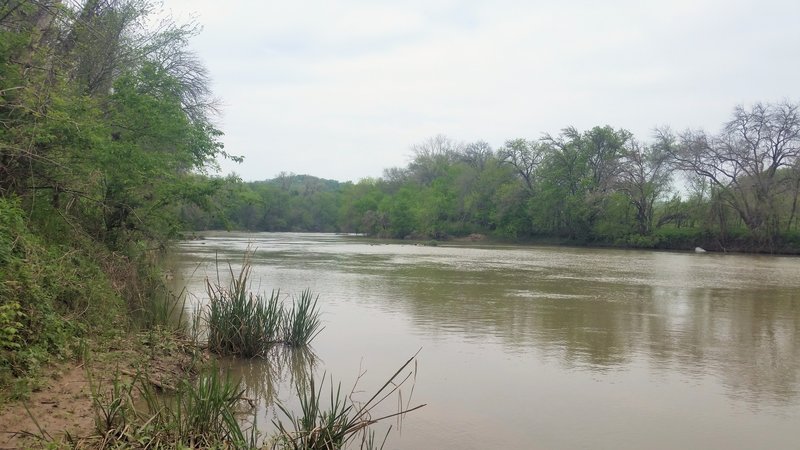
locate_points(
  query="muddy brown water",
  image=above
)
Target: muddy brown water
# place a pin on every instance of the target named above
(531, 347)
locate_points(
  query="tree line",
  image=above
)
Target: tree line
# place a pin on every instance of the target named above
(734, 190)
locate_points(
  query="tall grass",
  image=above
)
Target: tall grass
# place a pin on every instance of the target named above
(163, 309)
(205, 413)
(111, 406)
(247, 324)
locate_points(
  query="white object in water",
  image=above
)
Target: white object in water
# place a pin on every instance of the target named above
(699, 250)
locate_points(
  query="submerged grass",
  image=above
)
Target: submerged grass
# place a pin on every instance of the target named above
(209, 411)
(246, 324)
(202, 414)
(199, 414)
(343, 421)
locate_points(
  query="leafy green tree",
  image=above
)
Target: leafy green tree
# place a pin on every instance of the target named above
(154, 145)
(358, 212)
(579, 172)
(105, 135)
(644, 178)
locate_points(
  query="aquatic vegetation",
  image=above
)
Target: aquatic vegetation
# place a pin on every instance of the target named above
(344, 421)
(240, 322)
(136, 411)
(247, 324)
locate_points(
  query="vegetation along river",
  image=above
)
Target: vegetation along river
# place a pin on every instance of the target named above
(537, 347)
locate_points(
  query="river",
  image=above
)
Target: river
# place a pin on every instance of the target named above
(533, 347)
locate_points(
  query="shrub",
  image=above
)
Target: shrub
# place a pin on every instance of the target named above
(52, 291)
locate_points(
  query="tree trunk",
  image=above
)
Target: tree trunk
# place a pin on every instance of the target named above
(794, 205)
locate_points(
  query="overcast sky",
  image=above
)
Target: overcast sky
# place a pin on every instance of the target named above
(341, 89)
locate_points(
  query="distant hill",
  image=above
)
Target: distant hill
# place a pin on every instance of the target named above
(302, 184)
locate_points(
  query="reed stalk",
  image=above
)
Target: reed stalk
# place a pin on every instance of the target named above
(301, 322)
(343, 421)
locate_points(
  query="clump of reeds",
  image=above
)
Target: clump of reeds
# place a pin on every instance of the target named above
(343, 421)
(240, 322)
(247, 324)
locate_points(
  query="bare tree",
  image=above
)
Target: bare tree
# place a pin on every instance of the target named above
(105, 38)
(439, 145)
(476, 154)
(168, 47)
(432, 156)
(98, 43)
(525, 156)
(744, 161)
(395, 176)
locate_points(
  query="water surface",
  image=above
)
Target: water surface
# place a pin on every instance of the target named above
(538, 347)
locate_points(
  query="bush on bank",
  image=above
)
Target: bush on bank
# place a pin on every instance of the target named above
(57, 287)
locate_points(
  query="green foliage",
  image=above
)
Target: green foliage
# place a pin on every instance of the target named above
(10, 326)
(791, 241)
(681, 238)
(596, 187)
(616, 220)
(104, 134)
(203, 413)
(50, 295)
(240, 322)
(111, 406)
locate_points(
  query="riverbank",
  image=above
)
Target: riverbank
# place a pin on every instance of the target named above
(668, 240)
(63, 408)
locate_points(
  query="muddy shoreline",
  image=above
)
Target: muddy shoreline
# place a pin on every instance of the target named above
(61, 412)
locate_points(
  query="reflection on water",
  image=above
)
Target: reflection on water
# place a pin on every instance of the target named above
(282, 366)
(536, 347)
